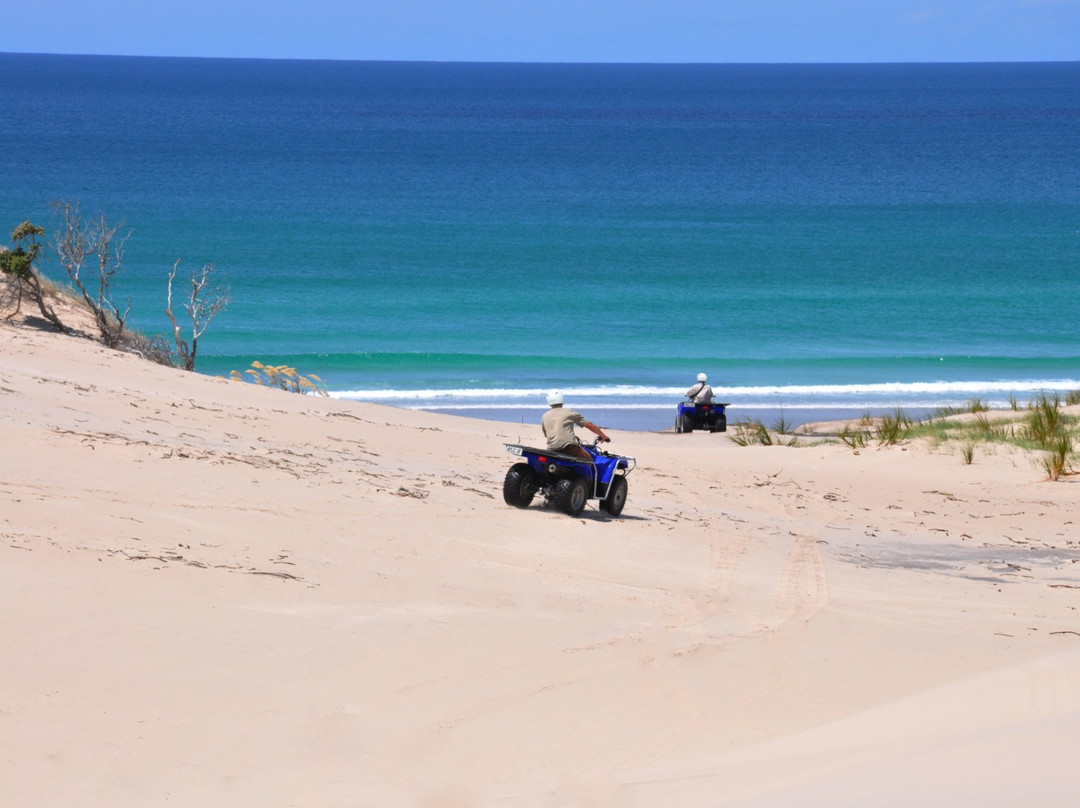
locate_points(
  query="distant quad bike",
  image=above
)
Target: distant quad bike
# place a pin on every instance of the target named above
(690, 416)
(567, 481)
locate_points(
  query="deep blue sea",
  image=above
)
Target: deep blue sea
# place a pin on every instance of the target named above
(817, 238)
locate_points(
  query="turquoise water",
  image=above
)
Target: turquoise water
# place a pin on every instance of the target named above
(466, 236)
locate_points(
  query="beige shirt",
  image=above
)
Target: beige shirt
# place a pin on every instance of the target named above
(558, 426)
(701, 393)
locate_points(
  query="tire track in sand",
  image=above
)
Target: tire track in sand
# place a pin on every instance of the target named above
(800, 591)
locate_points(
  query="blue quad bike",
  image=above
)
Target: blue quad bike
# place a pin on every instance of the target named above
(567, 481)
(690, 416)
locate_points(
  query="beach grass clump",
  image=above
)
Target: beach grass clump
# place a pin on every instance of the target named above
(855, 437)
(751, 432)
(946, 411)
(1043, 428)
(1044, 422)
(782, 426)
(981, 429)
(1052, 432)
(940, 428)
(893, 428)
(990, 430)
(1072, 398)
(281, 377)
(1057, 459)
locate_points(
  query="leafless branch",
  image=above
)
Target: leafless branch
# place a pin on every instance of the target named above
(79, 243)
(205, 301)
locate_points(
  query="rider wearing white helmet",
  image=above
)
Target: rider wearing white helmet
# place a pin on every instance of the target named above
(558, 426)
(700, 393)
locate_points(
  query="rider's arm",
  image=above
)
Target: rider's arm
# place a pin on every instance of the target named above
(589, 425)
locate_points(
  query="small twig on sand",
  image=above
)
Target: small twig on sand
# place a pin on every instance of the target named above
(274, 574)
(770, 477)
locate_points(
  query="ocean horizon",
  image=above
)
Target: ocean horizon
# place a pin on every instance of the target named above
(464, 237)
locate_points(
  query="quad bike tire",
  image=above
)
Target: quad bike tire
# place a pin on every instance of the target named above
(615, 501)
(570, 495)
(520, 485)
(683, 424)
(720, 425)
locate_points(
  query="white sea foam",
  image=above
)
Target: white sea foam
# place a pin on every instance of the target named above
(927, 394)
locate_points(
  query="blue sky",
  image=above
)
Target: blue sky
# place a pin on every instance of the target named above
(555, 30)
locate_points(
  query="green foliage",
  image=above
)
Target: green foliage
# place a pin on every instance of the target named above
(27, 230)
(281, 377)
(19, 262)
(967, 452)
(1072, 398)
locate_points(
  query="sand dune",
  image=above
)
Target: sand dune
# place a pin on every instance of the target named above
(218, 594)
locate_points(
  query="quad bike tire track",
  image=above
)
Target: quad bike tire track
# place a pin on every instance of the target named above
(798, 592)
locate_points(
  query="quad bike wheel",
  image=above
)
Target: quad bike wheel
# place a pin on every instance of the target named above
(520, 485)
(616, 499)
(570, 495)
(683, 424)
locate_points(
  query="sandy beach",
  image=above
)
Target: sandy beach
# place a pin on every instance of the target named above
(219, 594)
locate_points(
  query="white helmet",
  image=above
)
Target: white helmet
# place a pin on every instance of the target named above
(701, 377)
(554, 397)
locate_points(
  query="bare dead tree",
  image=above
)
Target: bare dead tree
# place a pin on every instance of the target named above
(101, 245)
(206, 299)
